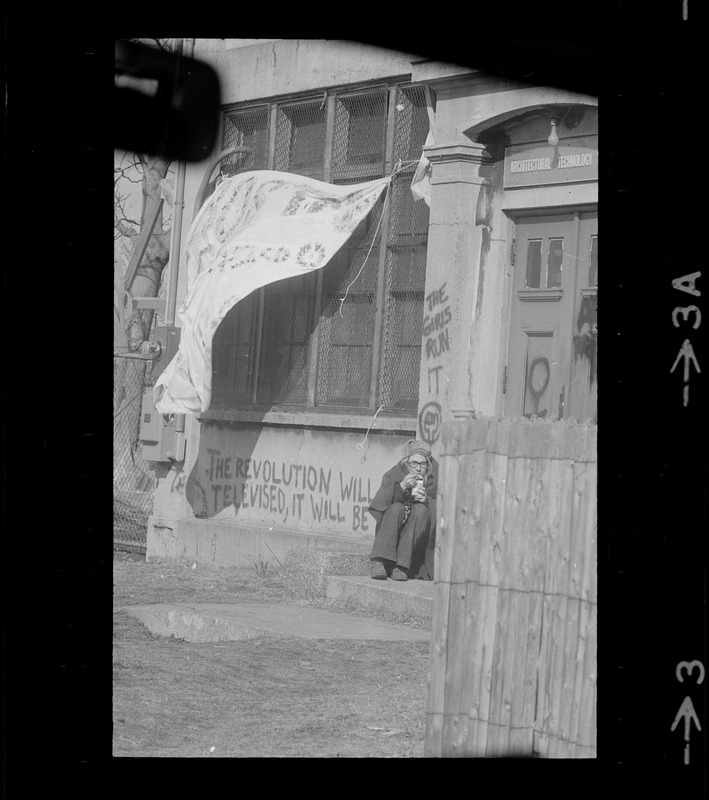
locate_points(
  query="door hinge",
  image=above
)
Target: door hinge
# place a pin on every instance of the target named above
(504, 380)
(513, 251)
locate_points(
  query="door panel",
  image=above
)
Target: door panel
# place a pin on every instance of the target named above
(551, 360)
(540, 356)
(538, 363)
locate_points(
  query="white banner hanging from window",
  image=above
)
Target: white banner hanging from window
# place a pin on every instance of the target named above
(257, 228)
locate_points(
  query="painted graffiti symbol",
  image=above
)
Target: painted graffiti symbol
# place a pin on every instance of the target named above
(430, 422)
(435, 323)
(274, 488)
(433, 371)
(537, 381)
(437, 342)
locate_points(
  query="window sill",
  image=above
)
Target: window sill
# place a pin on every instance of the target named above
(540, 295)
(315, 418)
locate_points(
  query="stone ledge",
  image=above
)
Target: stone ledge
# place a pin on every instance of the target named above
(394, 601)
(310, 419)
(225, 544)
(306, 571)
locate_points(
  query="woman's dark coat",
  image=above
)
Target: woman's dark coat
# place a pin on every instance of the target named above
(422, 564)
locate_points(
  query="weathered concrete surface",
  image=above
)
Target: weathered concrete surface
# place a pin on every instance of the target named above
(224, 544)
(306, 571)
(212, 622)
(286, 66)
(391, 600)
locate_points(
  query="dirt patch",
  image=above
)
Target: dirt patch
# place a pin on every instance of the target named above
(265, 697)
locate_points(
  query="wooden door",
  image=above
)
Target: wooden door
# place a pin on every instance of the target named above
(551, 366)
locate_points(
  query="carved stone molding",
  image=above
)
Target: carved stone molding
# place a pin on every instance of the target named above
(473, 153)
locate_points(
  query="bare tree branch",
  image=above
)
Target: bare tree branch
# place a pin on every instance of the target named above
(119, 173)
(123, 228)
(119, 211)
(132, 155)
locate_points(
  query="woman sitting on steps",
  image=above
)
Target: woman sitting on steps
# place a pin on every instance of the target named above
(404, 508)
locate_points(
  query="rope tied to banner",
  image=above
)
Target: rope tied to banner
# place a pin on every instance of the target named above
(400, 167)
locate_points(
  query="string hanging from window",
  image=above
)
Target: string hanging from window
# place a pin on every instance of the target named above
(400, 167)
(364, 441)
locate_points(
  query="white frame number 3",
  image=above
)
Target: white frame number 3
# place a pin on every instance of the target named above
(689, 666)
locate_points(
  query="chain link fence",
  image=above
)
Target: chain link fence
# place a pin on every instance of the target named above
(133, 477)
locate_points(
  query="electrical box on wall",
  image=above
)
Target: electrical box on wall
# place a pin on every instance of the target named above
(160, 438)
(168, 337)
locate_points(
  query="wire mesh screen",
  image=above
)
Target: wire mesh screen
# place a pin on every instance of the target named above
(408, 219)
(246, 129)
(402, 327)
(359, 142)
(287, 325)
(412, 124)
(346, 330)
(406, 260)
(133, 477)
(233, 351)
(300, 138)
(352, 149)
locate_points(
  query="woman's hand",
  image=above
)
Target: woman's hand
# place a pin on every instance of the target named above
(409, 481)
(419, 495)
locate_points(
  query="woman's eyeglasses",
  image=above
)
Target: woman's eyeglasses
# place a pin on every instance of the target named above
(417, 464)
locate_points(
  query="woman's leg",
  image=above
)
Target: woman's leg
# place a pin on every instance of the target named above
(387, 537)
(417, 526)
(424, 555)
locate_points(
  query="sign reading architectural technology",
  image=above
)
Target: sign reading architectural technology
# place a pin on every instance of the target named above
(540, 163)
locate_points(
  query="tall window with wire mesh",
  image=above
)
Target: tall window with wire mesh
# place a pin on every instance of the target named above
(349, 335)
(246, 131)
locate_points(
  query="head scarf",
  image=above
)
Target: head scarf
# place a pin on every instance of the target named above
(417, 446)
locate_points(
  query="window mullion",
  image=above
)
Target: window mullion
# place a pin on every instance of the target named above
(381, 273)
(314, 340)
(329, 138)
(272, 114)
(391, 123)
(272, 123)
(317, 306)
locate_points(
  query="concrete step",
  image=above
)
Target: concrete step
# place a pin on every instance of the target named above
(341, 580)
(398, 601)
(214, 622)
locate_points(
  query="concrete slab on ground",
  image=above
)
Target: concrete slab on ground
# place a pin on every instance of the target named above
(407, 600)
(213, 622)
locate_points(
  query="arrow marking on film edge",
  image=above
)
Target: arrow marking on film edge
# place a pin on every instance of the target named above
(687, 711)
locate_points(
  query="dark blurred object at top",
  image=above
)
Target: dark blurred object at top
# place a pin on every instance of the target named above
(166, 104)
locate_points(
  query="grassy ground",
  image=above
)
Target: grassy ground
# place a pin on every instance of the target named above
(257, 698)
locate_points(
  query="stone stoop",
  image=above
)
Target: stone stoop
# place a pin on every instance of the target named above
(306, 570)
(342, 581)
(395, 601)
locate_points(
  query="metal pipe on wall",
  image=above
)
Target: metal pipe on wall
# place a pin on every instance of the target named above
(176, 238)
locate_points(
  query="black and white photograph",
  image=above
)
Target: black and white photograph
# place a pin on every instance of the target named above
(355, 407)
(361, 504)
